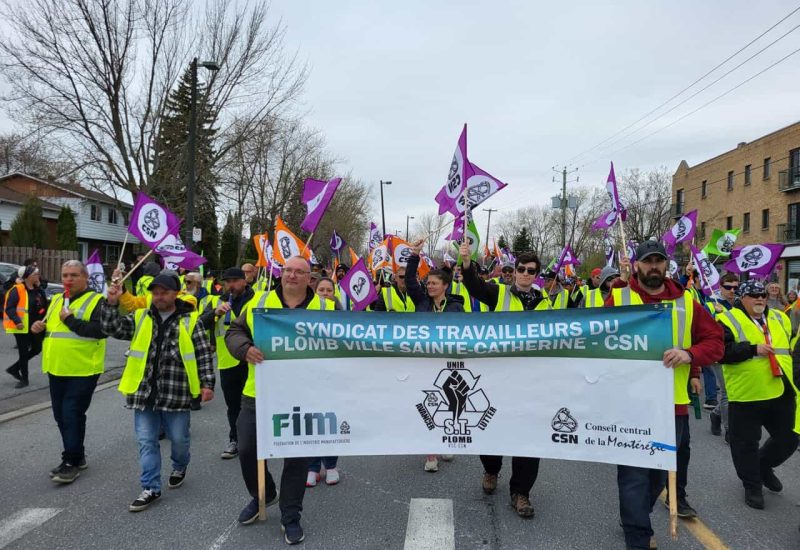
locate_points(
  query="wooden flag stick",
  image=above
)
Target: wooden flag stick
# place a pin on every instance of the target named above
(672, 483)
(305, 245)
(130, 271)
(122, 252)
(262, 490)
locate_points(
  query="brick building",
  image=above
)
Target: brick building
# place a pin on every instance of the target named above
(754, 187)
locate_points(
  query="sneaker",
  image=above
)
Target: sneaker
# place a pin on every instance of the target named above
(293, 533)
(754, 498)
(771, 481)
(447, 458)
(431, 463)
(522, 505)
(145, 499)
(312, 479)
(489, 483)
(684, 508)
(23, 383)
(67, 473)
(332, 476)
(727, 437)
(716, 423)
(249, 513)
(231, 451)
(82, 465)
(710, 404)
(14, 372)
(176, 479)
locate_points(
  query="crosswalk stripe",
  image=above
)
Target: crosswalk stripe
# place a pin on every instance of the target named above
(430, 525)
(20, 523)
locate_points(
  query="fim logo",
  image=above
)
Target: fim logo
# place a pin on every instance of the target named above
(456, 404)
(310, 423)
(565, 427)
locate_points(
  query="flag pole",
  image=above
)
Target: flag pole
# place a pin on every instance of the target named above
(130, 271)
(122, 253)
(624, 247)
(305, 245)
(672, 482)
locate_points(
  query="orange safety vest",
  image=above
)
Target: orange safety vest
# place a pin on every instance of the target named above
(22, 310)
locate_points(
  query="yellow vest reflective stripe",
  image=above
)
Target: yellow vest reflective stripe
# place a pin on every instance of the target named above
(593, 298)
(136, 364)
(506, 301)
(22, 311)
(142, 284)
(224, 358)
(561, 299)
(393, 301)
(64, 353)
(460, 290)
(682, 315)
(271, 301)
(752, 380)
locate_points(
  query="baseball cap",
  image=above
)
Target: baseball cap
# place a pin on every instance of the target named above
(507, 268)
(607, 272)
(164, 280)
(26, 271)
(596, 271)
(649, 248)
(751, 286)
(548, 274)
(232, 273)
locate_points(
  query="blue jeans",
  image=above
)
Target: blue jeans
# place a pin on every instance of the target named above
(328, 461)
(71, 397)
(638, 491)
(148, 425)
(710, 384)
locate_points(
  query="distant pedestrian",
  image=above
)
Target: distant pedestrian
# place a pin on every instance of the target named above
(24, 305)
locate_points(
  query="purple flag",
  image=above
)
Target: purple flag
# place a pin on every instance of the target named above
(337, 243)
(97, 275)
(682, 231)
(317, 195)
(175, 253)
(613, 193)
(374, 236)
(609, 252)
(480, 186)
(605, 221)
(756, 259)
(458, 230)
(357, 285)
(709, 276)
(456, 177)
(631, 250)
(567, 257)
(152, 222)
(509, 255)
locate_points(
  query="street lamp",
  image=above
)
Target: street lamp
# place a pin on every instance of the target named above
(383, 215)
(408, 218)
(211, 66)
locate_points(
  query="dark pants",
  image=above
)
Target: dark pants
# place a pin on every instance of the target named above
(317, 463)
(28, 347)
(638, 491)
(746, 419)
(524, 470)
(710, 384)
(683, 454)
(71, 397)
(295, 470)
(232, 381)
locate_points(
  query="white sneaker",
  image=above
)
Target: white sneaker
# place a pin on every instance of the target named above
(312, 479)
(332, 476)
(431, 464)
(447, 458)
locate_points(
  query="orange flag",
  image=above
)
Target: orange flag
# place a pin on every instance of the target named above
(261, 242)
(353, 257)
(401, 251)
(287, 244)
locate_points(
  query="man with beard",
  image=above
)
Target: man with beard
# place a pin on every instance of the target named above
(756, 366)
(697, 341)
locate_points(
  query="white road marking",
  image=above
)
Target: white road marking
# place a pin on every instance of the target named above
(430, 525)
(20, 523)
(223, 536)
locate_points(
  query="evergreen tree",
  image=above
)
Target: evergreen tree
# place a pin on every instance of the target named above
(229, 249)
(170, 174)
(66, 230)
(28, 228)
(522, 241)
(501, 242)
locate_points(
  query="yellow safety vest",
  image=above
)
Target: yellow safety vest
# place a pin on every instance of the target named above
(22, 311)
(393, 301)
(259, 284)
(459, 289)
(593, 298)
(271, 301)
(752, 380)
(135, 366)
(561, 299)
(142, 284)
(208, 284)
(224, 358)
(64, 353)
(506, 301)
(682, 315)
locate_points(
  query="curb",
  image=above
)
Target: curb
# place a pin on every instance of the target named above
(30, 409)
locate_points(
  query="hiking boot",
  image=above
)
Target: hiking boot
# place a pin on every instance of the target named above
(293, 533)
(312, 479)
(716, 423)
(754, 498)
(231, 451)
(489, 483)
(771, 481)
(522, 505)
(332, 476)
(66, 473)
(81, 466)
(145, 499)
(431, 463)
(249, 513)
(23, 383)
(176, 479)
(684, 509)
(14, 372)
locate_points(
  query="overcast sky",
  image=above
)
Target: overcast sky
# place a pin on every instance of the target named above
(392, 83)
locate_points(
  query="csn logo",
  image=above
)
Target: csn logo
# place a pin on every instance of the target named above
(564, 427)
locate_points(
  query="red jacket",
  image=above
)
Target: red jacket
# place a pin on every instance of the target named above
(708, 345)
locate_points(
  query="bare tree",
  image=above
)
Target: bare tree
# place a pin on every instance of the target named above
(647, 197)
(429, 226)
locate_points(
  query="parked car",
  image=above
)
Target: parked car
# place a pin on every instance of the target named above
(9, 272)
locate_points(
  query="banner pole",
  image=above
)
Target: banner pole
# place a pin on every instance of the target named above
(262, 490)
(672, 482)
(122, 252)
(624, 246)
(130, 271)
(305, 245)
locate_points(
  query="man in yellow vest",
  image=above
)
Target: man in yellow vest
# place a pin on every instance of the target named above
(25, 304)
(169, 362)
(596, 297)
(149, 271)
(757, 368)
(73, 356)
(395, 297)
(219, 313)
(519, 296)
(293, 293)
(697, 342)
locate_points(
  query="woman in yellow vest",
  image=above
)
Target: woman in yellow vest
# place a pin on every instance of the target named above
(25, 304)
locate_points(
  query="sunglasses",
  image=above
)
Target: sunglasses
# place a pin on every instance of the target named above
(401, 276)
(757, 294)
(530, 270)
(730, 287)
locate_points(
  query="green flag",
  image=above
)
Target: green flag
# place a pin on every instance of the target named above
(722, 242)
(473, 239)
(202, 271)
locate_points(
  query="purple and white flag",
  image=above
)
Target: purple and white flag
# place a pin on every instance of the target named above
(448, 259)
(97, 275)
(456, 177)
(756, 259)
(511, 258)
(683, 230)
(567, 257)
(613, 193)
(152, 222)
(337, 243)
(609, 246)
(357, 285)
(631, 250)
(605, 221)
(317, 195)
(458, 230)
(709, 276)
(480, 186)
(175, 254)
(375, 238)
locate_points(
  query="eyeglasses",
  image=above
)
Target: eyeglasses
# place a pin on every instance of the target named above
(507, 271)
(530, 270)
(757, 294)
(730, 287)
(297, 272)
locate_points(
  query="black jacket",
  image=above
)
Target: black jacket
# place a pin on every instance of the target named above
(488, 293)
(423, 302)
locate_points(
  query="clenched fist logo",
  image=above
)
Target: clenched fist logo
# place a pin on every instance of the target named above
(455, 390)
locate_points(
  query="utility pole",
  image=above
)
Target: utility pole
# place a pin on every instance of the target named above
(383, 214)
(564, 202)
(489, 221)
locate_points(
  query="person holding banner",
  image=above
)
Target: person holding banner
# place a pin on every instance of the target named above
(293, 293)
(758, 371)
(697, 341)
(520, 296)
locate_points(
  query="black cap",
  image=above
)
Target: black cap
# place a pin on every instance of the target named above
(507, 268)
(548, 274)
(648, 248)
(232, 273)
(169, 282)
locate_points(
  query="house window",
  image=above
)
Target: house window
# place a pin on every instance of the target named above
(679, 202)
(112, 215)
(94, 213)
(746, 222)
(747, 174)
(126, 218)
(704, 189)
(765, 218)
(730, 180)
(111, 256)
(702, 230)
(729, 223)
(767, 167)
